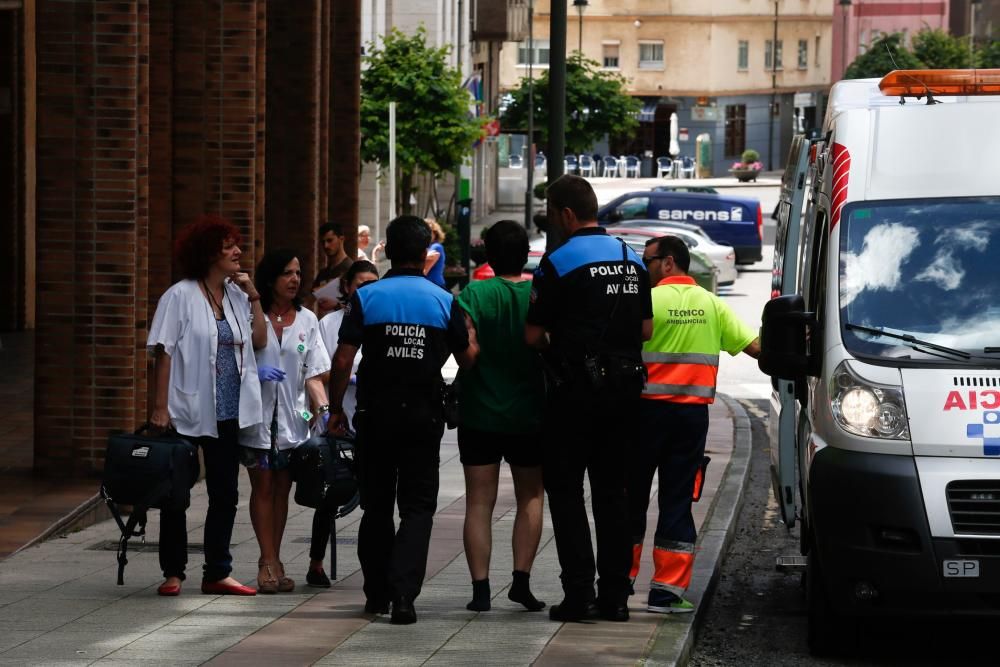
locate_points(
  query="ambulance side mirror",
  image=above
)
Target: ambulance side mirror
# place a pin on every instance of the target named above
(783, 337)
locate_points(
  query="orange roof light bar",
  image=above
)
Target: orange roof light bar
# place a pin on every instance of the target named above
(916, 82)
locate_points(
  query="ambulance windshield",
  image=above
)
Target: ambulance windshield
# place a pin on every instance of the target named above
(926, 268)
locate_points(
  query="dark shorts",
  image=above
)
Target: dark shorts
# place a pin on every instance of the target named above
(480, 448)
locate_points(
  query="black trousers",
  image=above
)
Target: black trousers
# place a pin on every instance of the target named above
(320, 534)
(222, 470)
(398, 463)
(587, 433)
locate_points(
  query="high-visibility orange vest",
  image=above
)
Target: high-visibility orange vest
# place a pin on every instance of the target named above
(691, 326)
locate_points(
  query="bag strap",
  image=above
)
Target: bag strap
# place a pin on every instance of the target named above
(136, 518)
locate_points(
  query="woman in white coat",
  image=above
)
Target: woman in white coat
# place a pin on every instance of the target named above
(359, 273)
(206, 387)
(292, 366)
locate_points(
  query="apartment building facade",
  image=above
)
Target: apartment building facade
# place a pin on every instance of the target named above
(749, 73)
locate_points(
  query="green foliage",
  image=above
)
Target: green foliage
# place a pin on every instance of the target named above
(989, 55)
(596, 105)
(452, 248)
(876, 62)
(540, 191)
(937, 49)
(434, 131)
(749, 156)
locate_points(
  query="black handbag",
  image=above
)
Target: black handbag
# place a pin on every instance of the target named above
(146, 471)
(325, 474)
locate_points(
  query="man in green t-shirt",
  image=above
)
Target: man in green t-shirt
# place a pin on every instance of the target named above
(500, 414)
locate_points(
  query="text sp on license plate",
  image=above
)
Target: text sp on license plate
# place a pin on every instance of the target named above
(961, 568)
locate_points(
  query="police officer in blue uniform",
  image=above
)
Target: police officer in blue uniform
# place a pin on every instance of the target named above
(408, 326)
(590, 312)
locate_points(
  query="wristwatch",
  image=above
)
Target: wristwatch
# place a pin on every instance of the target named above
(323, 409)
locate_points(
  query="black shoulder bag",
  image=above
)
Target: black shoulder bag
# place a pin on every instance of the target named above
(146, 471)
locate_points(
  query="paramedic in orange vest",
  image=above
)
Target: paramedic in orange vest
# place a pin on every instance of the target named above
(690, 327)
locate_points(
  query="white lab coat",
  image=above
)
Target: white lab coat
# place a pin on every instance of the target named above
(185, 326)
(302, 355)
(329, 328)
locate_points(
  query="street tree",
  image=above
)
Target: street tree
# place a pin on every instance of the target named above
(937, 49)
(989, 55)
(597, 105)
(435, 130)
(876, 62)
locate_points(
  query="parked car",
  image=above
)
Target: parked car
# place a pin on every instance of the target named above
(735, 221)
(723, 257)
(703, 189)
(704, 272)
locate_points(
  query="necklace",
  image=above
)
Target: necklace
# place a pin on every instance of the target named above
(278, 316)
(216, 306)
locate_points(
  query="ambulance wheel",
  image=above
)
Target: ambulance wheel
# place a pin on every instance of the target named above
(829, 633)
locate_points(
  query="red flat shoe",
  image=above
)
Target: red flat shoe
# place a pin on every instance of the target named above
(169, 590)
(218, 588)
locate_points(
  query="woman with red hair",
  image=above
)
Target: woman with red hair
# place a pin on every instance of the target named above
(203, 336)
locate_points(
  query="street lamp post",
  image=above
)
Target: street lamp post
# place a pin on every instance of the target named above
(529, 202)
(581, 6)
(973, 6)
(844, 4)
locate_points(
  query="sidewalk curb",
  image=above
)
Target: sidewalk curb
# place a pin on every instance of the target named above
(674, 639)
(91, 511)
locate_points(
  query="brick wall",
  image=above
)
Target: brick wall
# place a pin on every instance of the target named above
(92, 223)
(151, 113)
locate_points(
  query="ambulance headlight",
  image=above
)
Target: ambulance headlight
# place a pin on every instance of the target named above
(867, 409)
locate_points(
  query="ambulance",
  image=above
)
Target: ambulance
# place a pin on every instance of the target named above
(882, 339)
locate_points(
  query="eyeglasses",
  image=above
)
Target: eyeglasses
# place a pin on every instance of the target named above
(649, 260)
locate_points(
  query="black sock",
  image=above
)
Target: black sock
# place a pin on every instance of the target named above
(480, 596)
(520, 591)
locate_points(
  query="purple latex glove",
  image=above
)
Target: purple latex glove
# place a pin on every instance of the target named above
(270, 374)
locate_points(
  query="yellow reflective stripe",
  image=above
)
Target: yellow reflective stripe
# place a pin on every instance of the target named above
(680, 358)
(680, 390)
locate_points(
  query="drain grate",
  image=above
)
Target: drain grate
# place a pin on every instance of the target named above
(136, 545)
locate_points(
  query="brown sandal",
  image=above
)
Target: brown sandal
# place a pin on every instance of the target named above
(267, 583)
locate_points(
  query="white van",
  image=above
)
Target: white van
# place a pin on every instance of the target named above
(883, 342)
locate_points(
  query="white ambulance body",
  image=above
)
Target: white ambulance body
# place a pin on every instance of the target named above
(884, 345)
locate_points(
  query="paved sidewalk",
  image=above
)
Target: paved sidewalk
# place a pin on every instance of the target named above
(59, 604)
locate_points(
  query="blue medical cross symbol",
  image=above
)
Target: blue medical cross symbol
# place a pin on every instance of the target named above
(991, 445)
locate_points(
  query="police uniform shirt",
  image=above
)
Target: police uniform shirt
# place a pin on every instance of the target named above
(407, 326)
(576, 287)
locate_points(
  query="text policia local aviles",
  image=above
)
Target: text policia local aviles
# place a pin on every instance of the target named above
(973, 400)
(411, 339)
(631, 285)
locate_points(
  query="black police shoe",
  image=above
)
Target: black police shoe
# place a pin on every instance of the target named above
(376, 607)
(403, 612)
(573, 612)
(317, 579)
(617, 612)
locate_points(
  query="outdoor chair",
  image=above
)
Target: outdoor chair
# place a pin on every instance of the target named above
(570, 162)
(664, 166)
(515, 162)
(587, 167)
(687, 167)
(610, 166)
(631, 166)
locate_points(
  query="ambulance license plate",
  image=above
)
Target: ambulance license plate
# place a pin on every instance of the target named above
(961, 568)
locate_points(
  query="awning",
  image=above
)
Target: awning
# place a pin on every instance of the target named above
(648, 112)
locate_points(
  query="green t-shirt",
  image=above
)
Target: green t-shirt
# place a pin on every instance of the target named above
(504, 391)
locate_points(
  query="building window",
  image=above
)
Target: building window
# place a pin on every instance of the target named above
(769, 52)
(803, 54)
(862, 42)
(540, 52)
(650, 55)
(816, 52)
(610, 55)
(736, 129)
(743, 56)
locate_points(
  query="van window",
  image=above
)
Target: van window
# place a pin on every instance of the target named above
(924, 268)
(635, 208)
